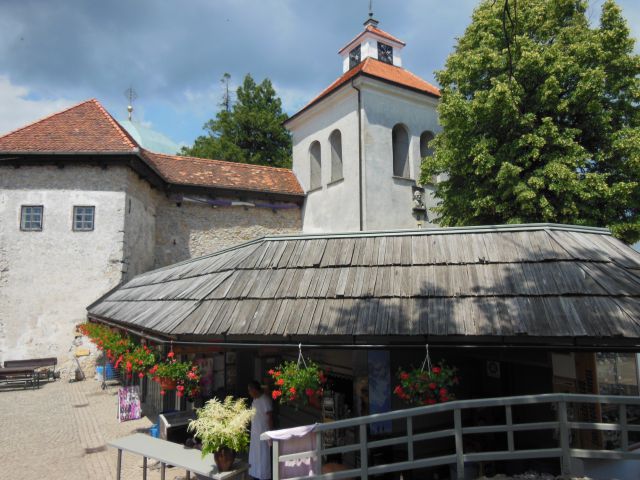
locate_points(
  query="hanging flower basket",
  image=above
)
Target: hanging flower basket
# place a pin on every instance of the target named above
(298, 383)
(167, 383)
(427, 387)
(174, 375)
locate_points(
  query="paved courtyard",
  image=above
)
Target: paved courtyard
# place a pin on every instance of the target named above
(60, 431)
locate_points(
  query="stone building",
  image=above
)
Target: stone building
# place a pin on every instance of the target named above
(358, 145)
(84, 207)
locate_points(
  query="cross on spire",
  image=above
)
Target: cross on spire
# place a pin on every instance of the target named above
(371, 21)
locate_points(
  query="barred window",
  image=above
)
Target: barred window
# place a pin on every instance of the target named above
(31, 218)
(83, 218)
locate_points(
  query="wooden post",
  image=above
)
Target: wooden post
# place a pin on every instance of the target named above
(509, 418)
(624, 433)
(119, 465)
(318, 461)
(144, 468)
(163, 468)
(410, 439)
(565, 461)
(275, 464)
(364, 458)
(457, 425)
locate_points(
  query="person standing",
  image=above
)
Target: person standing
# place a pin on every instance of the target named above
(259, 450)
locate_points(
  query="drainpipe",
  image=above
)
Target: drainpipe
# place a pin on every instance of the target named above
(360, 202)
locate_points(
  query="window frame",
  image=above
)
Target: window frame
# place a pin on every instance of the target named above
(22, 218)
(93, 218)
(407, 152)
(380, 45)
(335, 140)
(313, 159)
(352, 62)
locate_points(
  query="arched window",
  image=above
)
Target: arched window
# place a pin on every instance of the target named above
(315, 166)
(426, 150)
(400, 140)
(335, 139)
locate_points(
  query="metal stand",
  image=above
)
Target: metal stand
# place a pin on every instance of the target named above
(104, 372)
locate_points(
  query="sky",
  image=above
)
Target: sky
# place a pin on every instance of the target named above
(173, 53)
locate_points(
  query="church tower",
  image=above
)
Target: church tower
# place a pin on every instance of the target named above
(357, 146)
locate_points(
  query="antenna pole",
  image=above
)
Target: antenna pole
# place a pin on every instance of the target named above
(130, 95)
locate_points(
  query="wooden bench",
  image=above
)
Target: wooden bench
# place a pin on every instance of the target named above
(19, 376)
(36, 364)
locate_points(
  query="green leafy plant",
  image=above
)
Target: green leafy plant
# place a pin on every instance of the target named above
(223, 425)
(540, 119)
(297, 383)
(427, 387)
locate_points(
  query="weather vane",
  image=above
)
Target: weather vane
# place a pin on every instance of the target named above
(131, 95)
(370, 8)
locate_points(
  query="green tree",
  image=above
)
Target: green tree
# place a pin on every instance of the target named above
(250, 131)
(541, 119)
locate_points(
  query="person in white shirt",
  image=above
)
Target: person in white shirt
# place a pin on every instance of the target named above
(259, 450)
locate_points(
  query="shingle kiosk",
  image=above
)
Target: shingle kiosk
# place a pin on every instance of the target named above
(510, 285)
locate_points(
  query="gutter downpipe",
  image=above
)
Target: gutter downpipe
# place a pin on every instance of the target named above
(360, 203)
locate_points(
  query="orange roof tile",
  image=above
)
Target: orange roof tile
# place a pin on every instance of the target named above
(382, 71)
(89, 128)
(86, 127)
(376, 31)
(221, 174)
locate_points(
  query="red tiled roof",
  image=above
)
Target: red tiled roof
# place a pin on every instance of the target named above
(86, 127)
(376, 31)
(383, 71)
(89, 128)
(218, 173)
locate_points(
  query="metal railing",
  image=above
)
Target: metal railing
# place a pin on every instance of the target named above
(562, 426)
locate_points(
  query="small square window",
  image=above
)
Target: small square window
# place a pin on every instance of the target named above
(31, 218)
(83, 218)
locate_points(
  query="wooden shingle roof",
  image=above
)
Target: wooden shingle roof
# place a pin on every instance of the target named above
(494, 284)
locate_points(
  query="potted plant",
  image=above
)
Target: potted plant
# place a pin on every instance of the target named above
(222, 427)
(298, 384)
(174, 375)
(427, 387)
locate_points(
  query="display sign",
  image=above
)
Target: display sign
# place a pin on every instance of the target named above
(129, 407)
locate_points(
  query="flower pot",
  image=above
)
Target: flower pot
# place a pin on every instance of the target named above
(167, 383)
(224, 459)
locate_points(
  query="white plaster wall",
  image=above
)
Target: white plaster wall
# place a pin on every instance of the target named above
(389, 201)
(334, 207)
(49, 277)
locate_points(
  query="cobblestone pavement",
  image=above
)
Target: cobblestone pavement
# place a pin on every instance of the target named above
(60, 431)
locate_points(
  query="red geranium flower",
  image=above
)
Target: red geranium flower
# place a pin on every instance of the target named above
(436, 370)
(433, 386)
(171, 354)
(162, 392)
(309, 392)
(404, 376)
(280, 381)
(275, 394)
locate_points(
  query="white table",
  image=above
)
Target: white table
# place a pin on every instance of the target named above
(169, 453)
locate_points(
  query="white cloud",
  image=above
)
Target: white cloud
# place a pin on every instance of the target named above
(17, 110)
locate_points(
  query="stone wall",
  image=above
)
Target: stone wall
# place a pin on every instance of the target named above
(49, 277)
(189, 229)
(139, 226)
